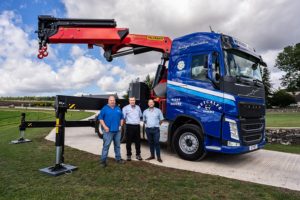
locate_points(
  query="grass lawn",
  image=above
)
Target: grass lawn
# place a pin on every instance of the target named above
(283, 148)
(20, 178)
(275, 119)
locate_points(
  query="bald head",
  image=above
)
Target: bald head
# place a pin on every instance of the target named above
(111, 101)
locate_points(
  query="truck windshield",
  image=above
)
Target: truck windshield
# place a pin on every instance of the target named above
(239, 64)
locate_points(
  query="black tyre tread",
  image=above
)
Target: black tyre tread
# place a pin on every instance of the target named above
(200, 154)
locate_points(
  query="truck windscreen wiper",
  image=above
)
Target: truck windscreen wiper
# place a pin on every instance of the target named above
(258, 82)
(244, 79)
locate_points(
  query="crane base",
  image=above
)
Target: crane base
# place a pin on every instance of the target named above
(59, 169)
(20, 141)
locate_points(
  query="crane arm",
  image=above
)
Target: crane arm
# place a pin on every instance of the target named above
(98, 32)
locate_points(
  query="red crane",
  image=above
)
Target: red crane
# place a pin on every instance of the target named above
(97, 32)
(103, 33)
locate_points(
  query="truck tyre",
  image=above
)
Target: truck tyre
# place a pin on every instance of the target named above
(98, 130)
(188, 142)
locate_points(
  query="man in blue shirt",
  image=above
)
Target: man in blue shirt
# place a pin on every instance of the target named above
(111, 118)
(132, 115)
(152, 118)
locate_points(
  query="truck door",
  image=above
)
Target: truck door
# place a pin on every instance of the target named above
(205, 100)
(177, 77)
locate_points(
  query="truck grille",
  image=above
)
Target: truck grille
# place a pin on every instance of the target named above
(252, 131)
(251, 110)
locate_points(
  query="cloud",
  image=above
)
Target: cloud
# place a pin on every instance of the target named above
(267, 25)
(275, 76)
(81, 73)
(21, 73)
(76, 51)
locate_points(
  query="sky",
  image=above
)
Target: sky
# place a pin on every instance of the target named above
(266, 25)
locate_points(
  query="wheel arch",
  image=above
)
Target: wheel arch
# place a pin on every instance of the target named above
(179, 121)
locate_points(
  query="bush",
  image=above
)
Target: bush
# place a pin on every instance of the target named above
(282, 99)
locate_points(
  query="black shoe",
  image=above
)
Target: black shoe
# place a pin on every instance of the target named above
(150, 158)
(128, 158)
(138, 157)
(103, 164)
(159, 159)
(121, 161)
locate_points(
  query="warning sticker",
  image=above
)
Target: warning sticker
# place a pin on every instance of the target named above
(150, 37)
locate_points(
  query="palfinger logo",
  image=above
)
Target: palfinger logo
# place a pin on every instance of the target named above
(159, 38)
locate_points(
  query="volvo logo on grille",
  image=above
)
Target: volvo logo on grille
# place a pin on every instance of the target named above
(253, 92)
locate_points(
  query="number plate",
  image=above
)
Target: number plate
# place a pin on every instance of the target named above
(253, 147)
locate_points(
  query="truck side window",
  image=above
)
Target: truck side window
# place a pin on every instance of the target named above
(199, 67)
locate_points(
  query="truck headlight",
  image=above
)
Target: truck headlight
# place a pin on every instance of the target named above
(233, 129)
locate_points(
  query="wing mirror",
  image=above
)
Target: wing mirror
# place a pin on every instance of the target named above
(213, 73)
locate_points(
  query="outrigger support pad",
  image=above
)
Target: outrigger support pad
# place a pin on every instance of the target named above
(22, 128)
(60, 169)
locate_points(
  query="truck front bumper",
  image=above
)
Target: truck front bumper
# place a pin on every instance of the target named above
(236, 149)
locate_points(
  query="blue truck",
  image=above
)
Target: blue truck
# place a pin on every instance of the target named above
(208, 85)
(215, 96)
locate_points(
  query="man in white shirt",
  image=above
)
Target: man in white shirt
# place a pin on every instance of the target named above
(132, 114)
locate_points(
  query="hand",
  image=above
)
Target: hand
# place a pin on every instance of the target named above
(106, 129)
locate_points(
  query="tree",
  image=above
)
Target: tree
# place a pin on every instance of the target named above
(267, 85)
(126, 95)
(282, 99)
(149, 81)
(289, 61)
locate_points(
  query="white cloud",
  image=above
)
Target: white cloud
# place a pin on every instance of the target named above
(270, 57)
(76, 51)
(21, 73)
(267, 25)
(82, 72)
(106, 83)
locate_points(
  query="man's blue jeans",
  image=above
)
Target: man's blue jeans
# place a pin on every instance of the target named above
(153, 135)
(108, 137)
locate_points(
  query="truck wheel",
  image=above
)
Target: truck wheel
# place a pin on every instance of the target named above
(98, 130)
(188, 142)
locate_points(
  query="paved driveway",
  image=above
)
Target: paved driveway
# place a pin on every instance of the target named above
(262, 166)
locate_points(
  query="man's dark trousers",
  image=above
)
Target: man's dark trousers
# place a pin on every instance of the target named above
(153, 135)
(133, 135)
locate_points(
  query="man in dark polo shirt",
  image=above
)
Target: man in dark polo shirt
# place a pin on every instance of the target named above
(111, 118)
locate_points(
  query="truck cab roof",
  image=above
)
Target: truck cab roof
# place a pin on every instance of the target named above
(204, 41)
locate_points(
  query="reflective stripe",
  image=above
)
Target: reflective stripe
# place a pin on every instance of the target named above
(213, 148)
(57, 125)
(218, 98)
(230, 120)
(206, 91)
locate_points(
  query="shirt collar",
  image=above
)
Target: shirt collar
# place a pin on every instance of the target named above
(112, 107)
(151, 109)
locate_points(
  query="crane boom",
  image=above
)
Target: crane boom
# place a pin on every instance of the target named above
(99, 32)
